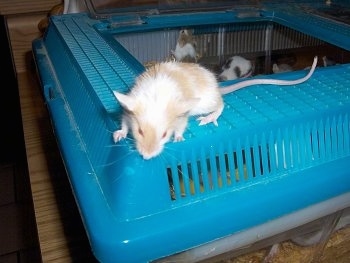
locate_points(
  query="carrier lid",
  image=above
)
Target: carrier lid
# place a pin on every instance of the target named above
(101, 9)
(107, 8)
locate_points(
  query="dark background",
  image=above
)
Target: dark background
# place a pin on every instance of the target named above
(18, 234)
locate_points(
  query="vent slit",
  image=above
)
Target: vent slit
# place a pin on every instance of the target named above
(346, 129)
(315, 143)
(248, 164)
(195, 175)
(236, 169)
(264, 156)
(229, 168)
(213, 171)
(204, 171)
(328, 142)
(256, 155)
(287, 148)
(221, 164)
(340, 136)
(294, 149)
(184, 178)
(272, 154)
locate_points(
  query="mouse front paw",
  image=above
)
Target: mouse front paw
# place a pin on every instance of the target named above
(118, 135)
(178, 138)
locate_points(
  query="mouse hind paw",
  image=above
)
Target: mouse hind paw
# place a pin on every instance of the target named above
(212, 117)
(207, 119)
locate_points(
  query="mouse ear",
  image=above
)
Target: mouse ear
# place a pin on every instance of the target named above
(127, 102)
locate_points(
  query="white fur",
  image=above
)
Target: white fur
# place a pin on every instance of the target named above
(181, 52)
(160, 102)
(243, 64)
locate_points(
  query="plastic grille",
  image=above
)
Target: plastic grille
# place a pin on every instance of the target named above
(257, 104)
(102, 66)
(281, 148)
(81, 112)
(237, 162)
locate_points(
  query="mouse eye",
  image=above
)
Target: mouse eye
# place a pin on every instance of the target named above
(140, 131)
(164, 134)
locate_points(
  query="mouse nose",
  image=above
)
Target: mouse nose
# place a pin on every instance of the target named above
(146, 156)
(149, 153)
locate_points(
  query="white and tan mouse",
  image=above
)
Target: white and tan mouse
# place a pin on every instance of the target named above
(185, 50)
(158, 106)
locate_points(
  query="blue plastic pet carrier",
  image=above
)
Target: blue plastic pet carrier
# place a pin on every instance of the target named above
(278, 159)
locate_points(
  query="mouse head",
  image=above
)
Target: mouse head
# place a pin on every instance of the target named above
(153, 122)
(185, 37)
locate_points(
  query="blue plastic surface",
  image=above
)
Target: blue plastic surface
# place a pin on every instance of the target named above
(276, 149)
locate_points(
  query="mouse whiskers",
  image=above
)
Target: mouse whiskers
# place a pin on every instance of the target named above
(131, 150)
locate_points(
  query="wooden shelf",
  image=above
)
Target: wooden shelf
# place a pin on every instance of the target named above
(16, 7)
